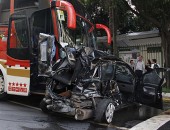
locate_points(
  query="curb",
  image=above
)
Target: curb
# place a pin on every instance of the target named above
(167, 112)
(166, 99)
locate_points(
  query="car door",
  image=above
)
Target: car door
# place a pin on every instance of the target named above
(149, 90)
(125, 77)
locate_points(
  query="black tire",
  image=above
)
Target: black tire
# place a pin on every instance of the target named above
(3, 95)
(102, 109)
(43, 106)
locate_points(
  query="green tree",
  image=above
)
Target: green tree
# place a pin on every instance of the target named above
(96, 9)
(126, 20)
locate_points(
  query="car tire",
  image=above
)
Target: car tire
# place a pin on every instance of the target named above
(104, 111)
(3, 94)
(43, 106)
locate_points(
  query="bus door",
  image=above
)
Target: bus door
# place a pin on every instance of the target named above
(18, 56)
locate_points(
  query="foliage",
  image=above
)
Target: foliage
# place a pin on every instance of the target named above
(126, 20)
(97, 10)
(149, 13)
(156, 11)
(166, 89)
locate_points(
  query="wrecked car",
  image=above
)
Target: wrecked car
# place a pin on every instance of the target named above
(88, 83)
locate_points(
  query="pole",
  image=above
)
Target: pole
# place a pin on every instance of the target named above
(110, 22)
(115, 29)
(113, 26)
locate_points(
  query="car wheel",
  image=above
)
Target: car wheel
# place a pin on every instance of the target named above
(3, 94)
(104, 111)
(43, 106)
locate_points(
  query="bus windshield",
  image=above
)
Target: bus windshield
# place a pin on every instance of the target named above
(83, 35)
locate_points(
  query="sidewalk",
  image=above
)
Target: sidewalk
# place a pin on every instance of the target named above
(166, 97)
(165, 94)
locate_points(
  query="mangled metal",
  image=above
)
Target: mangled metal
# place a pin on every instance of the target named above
(81, 78)
(47, 51)
(84, 78)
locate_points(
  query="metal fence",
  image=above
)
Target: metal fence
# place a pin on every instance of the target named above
(147, 51)
(153, 51)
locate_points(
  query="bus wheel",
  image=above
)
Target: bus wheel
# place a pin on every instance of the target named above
(3, 94)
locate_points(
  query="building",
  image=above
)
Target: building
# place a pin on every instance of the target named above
(131, 45)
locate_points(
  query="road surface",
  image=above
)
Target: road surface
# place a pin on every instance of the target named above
(17, 117)
(22, 113)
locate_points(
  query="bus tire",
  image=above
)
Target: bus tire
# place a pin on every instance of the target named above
(3, 94)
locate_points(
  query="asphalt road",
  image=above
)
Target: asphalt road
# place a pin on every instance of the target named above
(18, 117)
(25, 115)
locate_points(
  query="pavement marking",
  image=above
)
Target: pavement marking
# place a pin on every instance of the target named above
(36, 108)
(153, 123)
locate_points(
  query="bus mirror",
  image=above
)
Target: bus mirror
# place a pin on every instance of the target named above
(101, 26)
(71, 13)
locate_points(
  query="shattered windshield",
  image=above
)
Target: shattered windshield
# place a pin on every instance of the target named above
(82, 36)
